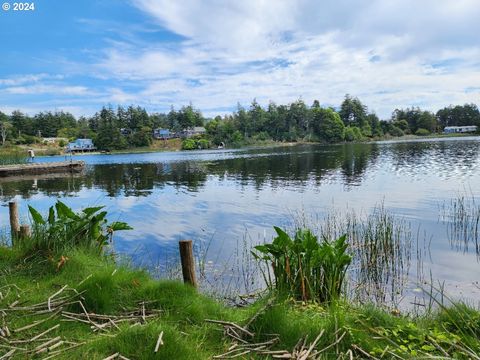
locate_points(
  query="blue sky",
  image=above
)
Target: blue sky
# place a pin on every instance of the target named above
(80, 55)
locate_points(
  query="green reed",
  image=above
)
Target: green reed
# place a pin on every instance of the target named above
(380, 244)
(12, 157)
(462, 217)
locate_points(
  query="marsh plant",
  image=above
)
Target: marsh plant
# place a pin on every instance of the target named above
(12, 157)
(63, 229)
(462, 217)
(381, 244)
(304, 267)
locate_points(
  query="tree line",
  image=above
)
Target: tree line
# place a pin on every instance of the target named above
(132, 126)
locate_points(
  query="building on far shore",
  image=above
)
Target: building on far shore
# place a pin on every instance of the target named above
(53, 140)
(459, 129)
(80, 145)
(196, 130)
(162, 134)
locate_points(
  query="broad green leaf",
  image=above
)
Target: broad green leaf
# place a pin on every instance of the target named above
(37, 218)
(92, 210)
(51, 215)
(64, 211)
(283, 240)
(262, 248)
(117, 226)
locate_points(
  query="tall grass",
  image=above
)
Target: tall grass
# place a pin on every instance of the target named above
(382, 247)
(12, 157)
(462, 217)
(235, 281)
(380, 244)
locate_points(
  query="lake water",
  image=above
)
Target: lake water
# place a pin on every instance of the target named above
(224, 198)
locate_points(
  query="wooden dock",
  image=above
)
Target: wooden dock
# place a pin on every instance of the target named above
(41, 168)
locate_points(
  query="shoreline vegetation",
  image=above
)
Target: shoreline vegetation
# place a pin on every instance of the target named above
(17, 154)
(65, 295)
(132, 129)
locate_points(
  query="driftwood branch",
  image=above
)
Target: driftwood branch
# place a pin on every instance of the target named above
(159, 342)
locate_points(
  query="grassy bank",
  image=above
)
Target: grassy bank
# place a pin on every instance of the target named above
(64, 295)
(11, 156)
(156, 146)
(176, 145)
(17, 154)
(127, 310)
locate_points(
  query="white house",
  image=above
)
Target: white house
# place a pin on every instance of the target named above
(53, 140)
(196, 130)
(460, 129)
(80, 145)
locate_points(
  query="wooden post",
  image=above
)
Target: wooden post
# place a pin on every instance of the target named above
(14, 223)
(188, 262)
(25, 231)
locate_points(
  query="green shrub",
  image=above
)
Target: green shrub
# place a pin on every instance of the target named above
(422, 132)
(237, 138)
(189, 144)
(63, 230)
(27, 139)
(402, 125)
(203, 144)
(395, 131)
(305, 268)
(194, 143)
(353, 133)
(367, 130)
(261, 136)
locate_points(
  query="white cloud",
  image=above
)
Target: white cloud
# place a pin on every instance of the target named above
(391, 54)
(28, 78)
(47, 89)
(248, 26)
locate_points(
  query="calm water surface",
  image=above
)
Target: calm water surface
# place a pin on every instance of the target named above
(221, 197)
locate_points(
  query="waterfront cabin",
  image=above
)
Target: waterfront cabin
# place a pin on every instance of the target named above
(196, 130)
(199, 130)
(53, 140)
(459, 129)
(162, 134)
(80, 145)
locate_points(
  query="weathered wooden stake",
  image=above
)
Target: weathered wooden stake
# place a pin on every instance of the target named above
(188, 262)
(25, 231)
(14, 223)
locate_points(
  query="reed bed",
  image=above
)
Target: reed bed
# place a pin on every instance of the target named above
(462, 218)
(12, 157)
(381, 245)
